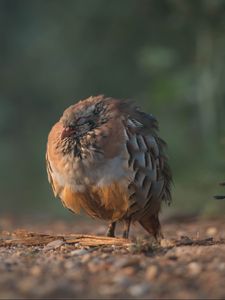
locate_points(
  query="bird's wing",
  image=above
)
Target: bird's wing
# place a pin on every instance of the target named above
(147, 159)
(49, 172)
(50, 156)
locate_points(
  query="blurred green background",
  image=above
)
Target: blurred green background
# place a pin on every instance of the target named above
(168, 56)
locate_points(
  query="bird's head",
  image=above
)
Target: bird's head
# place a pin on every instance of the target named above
(75, 126)
(82, 118)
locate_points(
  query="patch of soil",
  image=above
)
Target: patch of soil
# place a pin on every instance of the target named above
(54, 260)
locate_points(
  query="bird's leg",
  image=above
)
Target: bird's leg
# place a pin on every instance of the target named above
(126, 228)
(111, 229)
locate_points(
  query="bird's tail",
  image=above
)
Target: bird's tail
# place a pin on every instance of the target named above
(152, 225)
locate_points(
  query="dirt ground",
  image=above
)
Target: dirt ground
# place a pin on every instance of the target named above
(49, 259)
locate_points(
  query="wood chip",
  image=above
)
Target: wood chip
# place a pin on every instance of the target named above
(53, 245)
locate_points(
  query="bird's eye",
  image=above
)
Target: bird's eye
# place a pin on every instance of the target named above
(91, 123)
(81, 121)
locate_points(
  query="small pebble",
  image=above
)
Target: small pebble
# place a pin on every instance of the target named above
(78, 252)
(129, 271)
(69, 264)
(139, 290)
(211, 231)
(151, 272)
(221, 267)
(85, 258)
(35, 271)
(194, 268)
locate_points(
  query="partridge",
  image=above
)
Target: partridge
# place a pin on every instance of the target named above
(104, 157)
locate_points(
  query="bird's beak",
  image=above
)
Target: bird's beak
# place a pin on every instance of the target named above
(67, 131)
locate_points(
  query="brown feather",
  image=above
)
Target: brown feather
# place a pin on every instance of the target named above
(109, 203)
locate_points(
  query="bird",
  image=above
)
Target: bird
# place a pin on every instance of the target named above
(104, 157)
